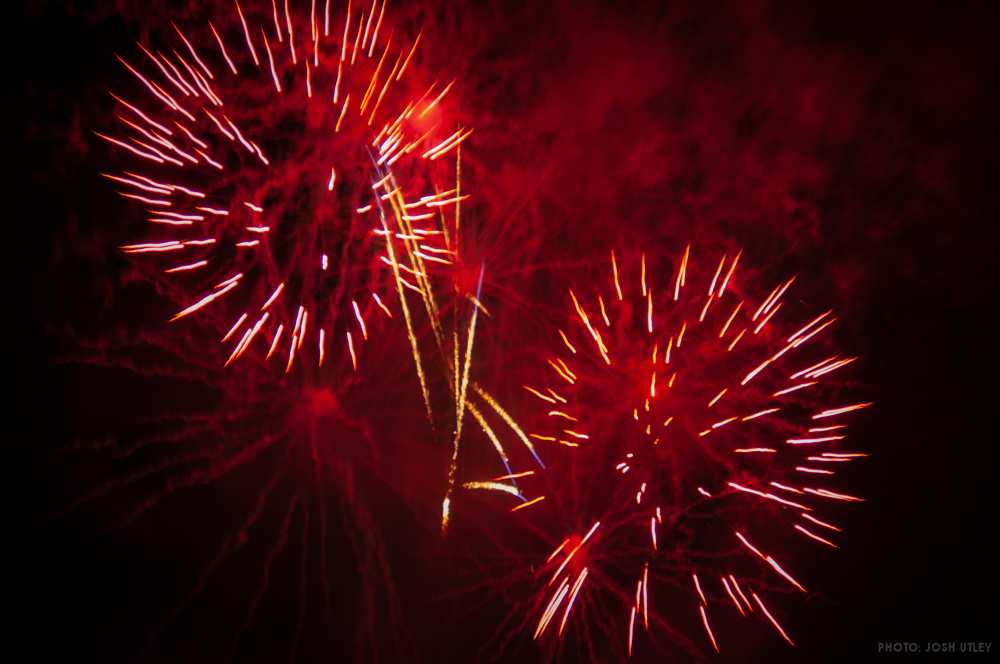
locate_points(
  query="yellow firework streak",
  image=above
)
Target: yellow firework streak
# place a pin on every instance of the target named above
(414, 262)
(414, 346)
(460, 407)
(494, 486)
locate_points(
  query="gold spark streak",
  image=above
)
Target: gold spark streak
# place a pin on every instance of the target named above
(460, 403)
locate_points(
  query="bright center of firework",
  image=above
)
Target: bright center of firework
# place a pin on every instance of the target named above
(321, 402)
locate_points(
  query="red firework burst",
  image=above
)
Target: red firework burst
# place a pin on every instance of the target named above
(298, 163)
(274, 147)
(702, 433)
(293, 468)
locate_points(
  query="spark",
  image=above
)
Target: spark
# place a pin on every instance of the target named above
(771, 618)
(572, 598)
(531, 502)
(495, 486)
(815, 536)
(729, 591)
(708, 629)
(832, 412)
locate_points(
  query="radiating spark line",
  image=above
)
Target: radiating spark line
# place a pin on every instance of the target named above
(539, 394)
(553, 605)
(360, 319)
(708, 629)
(557, 550)
(409, 55)
(771, 618)
(729, 591)
(809, 441)
(208, 299)
(761, 413)
(291, 33)
(697, 587)
(774, 563)
(729, 275)
(793, 388)
(187, 267)
(572, 598)
(409, 323)
(529, 503)
(614, 271)
(764, 321)
(350, 348)
(821, 523)
(270, 59)
(494, 486)
(512, 476)
(815, 536)
(824, 493)
(508, 420)
(739, 591)
(718, 396)
(435, 102)
(631, 630)
(763, 494)
(806, 327)
(832, 412)
(236, 326)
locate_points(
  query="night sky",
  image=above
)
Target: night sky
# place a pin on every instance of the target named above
(845, 143)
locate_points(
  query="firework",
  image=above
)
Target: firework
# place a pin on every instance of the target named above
(290, 167)
(303, 187)
(278, 153)
(293, 468)
(704, 429)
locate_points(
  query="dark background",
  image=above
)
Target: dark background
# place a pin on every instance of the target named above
(857, 141)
